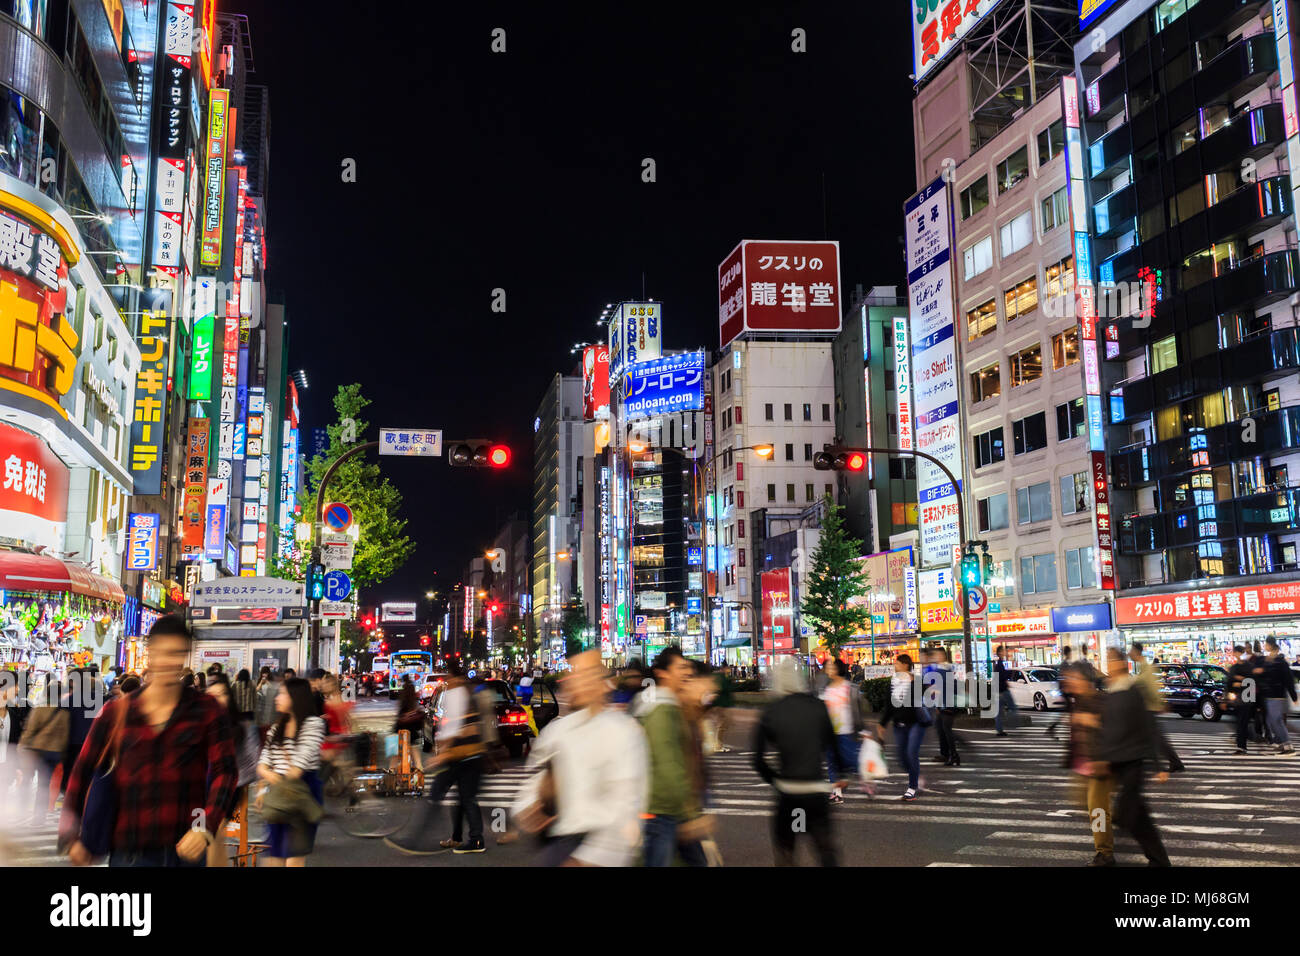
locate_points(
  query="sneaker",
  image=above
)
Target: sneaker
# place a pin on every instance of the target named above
(409, 851)
(473, 846)
(1286, 751)
(837, 797)
(910, 795)
(1103, 859)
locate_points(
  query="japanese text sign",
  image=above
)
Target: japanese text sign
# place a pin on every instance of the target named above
(779, 286)
(667, 385)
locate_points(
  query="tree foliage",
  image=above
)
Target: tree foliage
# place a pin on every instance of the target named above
(575, 624)
(358, 483)
(836, 577)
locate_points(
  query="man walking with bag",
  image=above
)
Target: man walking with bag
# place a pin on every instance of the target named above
(153, 758)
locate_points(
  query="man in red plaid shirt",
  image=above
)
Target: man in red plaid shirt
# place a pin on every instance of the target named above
(176, 775)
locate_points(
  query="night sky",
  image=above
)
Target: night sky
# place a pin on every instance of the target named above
(522, 171)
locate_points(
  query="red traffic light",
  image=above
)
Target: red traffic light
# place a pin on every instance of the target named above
(495, 608)
(369, 622)
(498, 456)
(383, 647)
(424, 640)
(856, 462)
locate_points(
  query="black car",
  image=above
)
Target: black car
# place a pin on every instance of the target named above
(512, 719)
(1191, 689)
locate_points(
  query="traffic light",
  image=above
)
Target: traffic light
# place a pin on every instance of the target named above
(988, 566)
(424, 640)
(840, 459)
(368, 623)
(496, 608)
(972, 570)
(478, 453)
(316, 582)
(383, 647)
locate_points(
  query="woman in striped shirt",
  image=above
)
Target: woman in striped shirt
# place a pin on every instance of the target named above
(292, 752)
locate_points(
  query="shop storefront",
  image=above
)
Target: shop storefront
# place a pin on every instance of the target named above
(55, 616)
(250, 622)
(1205, 624)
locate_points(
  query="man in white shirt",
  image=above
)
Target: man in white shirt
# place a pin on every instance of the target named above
(589, 787)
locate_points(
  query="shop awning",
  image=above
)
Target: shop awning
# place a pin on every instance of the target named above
(22, 571)
(734, 642)
(247, 632)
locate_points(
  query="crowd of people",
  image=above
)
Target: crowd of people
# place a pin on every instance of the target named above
(622, 777)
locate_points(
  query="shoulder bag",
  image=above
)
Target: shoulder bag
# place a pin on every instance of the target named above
(99, 815)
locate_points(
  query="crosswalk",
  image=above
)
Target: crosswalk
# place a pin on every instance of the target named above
(1010, 804)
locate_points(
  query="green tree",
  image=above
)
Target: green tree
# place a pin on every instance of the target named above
(836, 577)
(574, 625)
(358, 483)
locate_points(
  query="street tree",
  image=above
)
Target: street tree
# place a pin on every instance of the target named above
(358, 483)
(575, 624)
(836, 578)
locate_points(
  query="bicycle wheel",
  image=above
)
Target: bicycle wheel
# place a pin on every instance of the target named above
(368, 810)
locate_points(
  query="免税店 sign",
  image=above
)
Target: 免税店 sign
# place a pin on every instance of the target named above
(33, 490)
(1265, 600)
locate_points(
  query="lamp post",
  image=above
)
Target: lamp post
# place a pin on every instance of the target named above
(764, 450)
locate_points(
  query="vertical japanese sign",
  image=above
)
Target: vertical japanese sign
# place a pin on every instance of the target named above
(147, 425)
(1286, 71)
(200, 389)
(171, 136)
(778, 612)
(1086, 311)
(142, 542)
(229, 382)
(214, 533)
(936, 395)
(635, 335)
(196, 487)
(214, 208)
(903, 383)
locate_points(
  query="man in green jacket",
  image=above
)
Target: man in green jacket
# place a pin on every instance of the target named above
(674, 804)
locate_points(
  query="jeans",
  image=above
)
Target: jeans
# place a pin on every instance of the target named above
(1006, 705)
(798, 813)
(908, 739)
(152, 858)
(847, 746)
(661, 844)
(1277, 708)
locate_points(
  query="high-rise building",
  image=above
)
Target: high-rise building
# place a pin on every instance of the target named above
(557, 433)
(1184, 210)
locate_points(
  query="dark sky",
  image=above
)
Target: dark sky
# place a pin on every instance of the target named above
(522, 171)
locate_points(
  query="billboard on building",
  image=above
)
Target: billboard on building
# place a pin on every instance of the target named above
(33, 491)
(769, 285)
(903, 383)
(1091, 10)
(937, 592)
(778, 612)
(671, 384)
(936, 394)
(938, 27)
(142, 541)
(635, 335)
(397, 613)
(595, 383)
(196, 487)
(214, 209)
(147, 425)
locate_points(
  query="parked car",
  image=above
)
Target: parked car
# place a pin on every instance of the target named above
(1036, 687)
(1191, 689)
(512, 720)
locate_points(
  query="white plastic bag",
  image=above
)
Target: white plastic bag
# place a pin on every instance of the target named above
(871, 760)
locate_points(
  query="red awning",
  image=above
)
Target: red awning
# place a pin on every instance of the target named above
(20, 571)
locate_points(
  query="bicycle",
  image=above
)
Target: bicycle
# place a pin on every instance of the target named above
(364, 799)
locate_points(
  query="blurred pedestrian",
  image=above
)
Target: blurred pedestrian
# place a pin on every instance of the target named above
(940, 686)
(268, 686)
(1149, 685)
(458, 763)
(409, 715)
(674, 797)
(1065, 665)
(797, 726)
(589, 777)
(245, 695)
(166, 741)
(1006, 703)
(1127, 743)
(1081, 759)
(844, 707)
(83, 699)
(44, 743)
(291, 755)
(317, 694)
(247, 745)
(13, 716)
(910, 720)
(723, 701)
(1277, 689)
(1242, 690)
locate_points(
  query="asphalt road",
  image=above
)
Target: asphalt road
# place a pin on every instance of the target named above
(1009, 804)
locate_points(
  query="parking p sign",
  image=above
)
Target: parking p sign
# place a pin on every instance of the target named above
(337, 586)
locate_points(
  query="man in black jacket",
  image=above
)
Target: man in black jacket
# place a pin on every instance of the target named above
(1242, 688)
(1276, 686)
(1127, 741)
(798, 726)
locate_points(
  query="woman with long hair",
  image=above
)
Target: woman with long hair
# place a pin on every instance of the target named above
(244, 694)
(292, 752)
